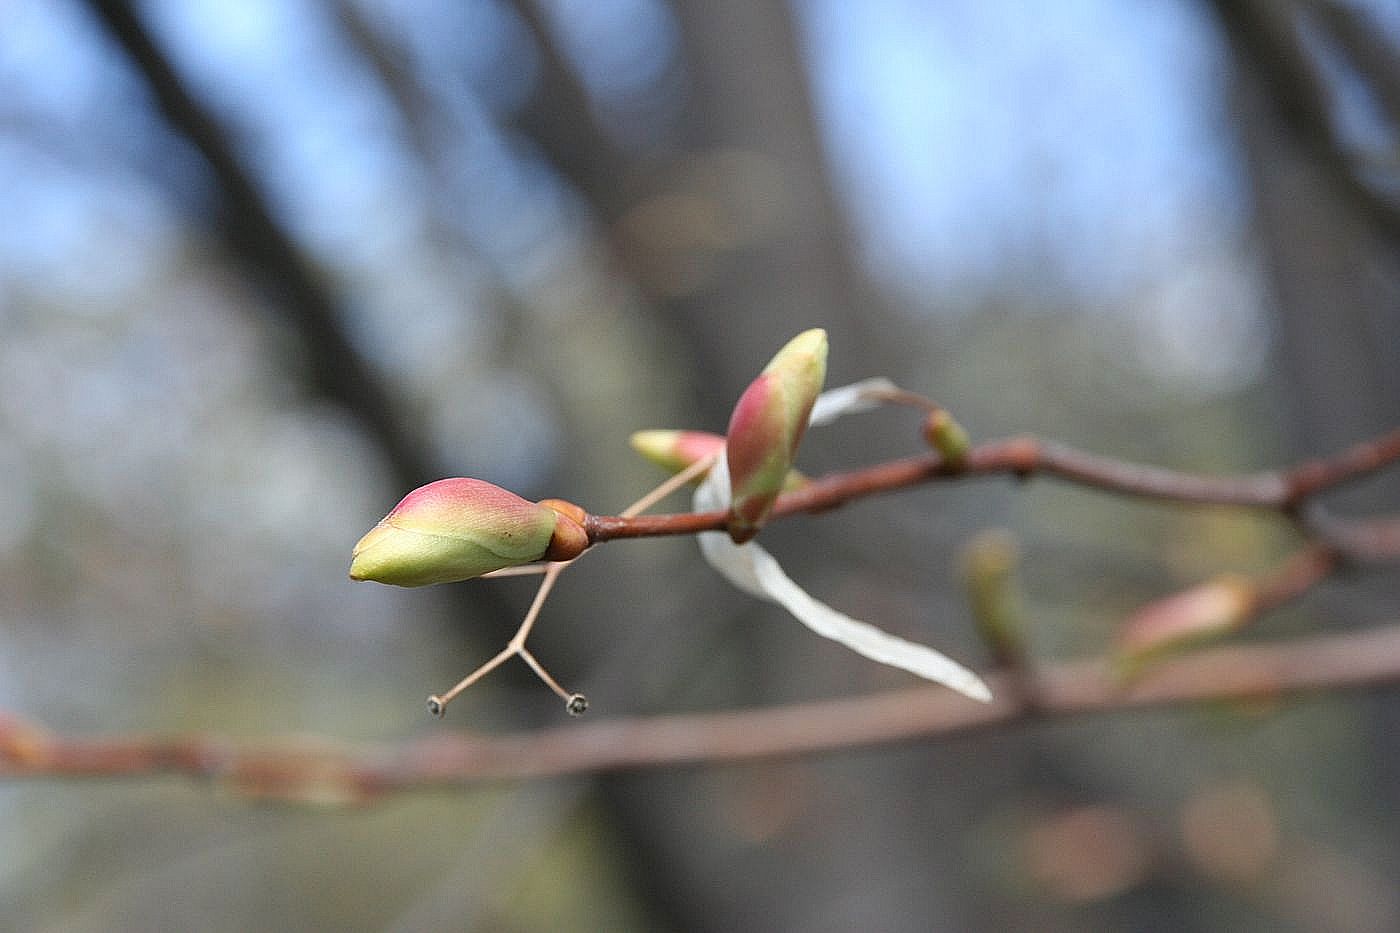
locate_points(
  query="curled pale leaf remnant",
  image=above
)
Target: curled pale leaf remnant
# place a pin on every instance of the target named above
(451, 530)
(753, 570)
(766, 427)
(854, 399)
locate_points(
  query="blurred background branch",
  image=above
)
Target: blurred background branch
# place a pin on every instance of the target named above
(314, 770)
(271, 257)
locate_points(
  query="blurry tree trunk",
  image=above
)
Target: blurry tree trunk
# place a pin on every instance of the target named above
(792, 267)
(733, 231)
(1332, 241)
(1332, 250)
(751, 162)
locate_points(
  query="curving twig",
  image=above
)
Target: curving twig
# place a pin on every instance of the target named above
(1279, 490)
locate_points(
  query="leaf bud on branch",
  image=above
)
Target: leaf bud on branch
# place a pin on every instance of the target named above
(766, 428)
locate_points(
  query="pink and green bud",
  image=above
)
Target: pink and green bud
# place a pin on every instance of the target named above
(1201, 613)
(453, 529)
(673, 451)
(766, 427)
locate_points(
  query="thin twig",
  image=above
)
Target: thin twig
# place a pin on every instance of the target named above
(1280, 490)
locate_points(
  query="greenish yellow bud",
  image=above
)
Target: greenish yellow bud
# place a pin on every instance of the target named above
(453, 529)
(989, 565)
(946, 436)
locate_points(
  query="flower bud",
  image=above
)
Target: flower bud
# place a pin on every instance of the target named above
(675, 450)
(946, 436)
(767, 425)
(1208, 610)
(450, 530)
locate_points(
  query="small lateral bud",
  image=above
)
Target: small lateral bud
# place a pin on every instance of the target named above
(450, 530)
(766, 427)
(674, 450)
(1175, 622)
(946, 436)
(989, 563)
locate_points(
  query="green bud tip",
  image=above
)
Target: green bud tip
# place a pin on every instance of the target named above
(946, 436)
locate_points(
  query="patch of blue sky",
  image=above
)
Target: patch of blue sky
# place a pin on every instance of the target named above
(621, 47)
(980, 141)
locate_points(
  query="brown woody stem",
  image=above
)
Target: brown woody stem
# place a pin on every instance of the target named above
(1282, 490)
(304, 768)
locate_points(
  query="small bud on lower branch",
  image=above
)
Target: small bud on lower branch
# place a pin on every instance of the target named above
(989, 561)
(1201, 613)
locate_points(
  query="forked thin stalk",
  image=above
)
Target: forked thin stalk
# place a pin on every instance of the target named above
(577, 703)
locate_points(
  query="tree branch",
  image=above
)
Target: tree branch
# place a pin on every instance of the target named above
(1282, 490)
(335, 366)
(320, 770)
